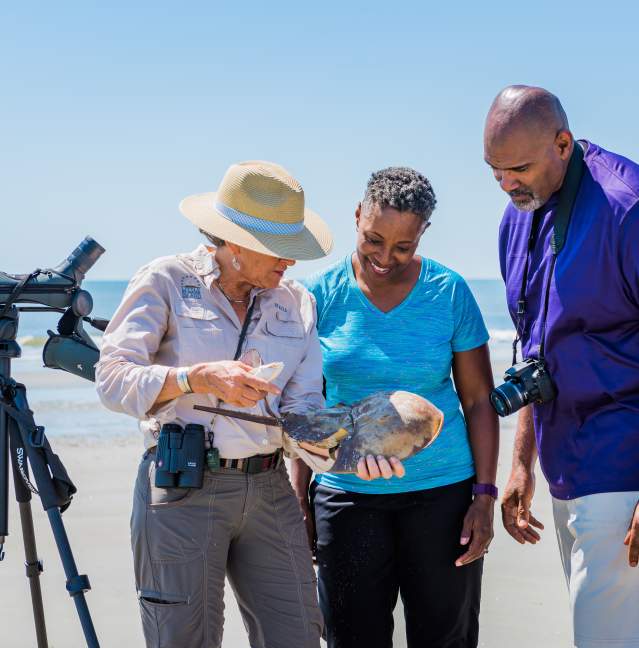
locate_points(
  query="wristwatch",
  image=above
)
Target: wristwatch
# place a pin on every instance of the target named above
(486, 489)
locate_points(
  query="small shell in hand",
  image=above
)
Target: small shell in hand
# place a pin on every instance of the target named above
(269, 371)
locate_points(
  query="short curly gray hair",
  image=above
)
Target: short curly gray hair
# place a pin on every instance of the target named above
(401, 188)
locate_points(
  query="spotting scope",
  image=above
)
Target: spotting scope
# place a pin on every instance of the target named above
(57, 289)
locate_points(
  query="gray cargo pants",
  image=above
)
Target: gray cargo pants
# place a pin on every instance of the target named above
(248, 528)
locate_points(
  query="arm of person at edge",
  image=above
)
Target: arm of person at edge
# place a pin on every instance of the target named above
(630, 268)
(516, 515)
(472, 374)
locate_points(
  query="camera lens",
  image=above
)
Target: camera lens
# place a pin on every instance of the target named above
(499, 403)
(507, 398)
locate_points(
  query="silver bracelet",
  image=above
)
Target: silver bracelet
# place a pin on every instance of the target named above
(182, 378)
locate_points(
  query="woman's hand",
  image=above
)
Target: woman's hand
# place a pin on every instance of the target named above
(477, 529)
(231, 381)
(368, 468)
(371, 467)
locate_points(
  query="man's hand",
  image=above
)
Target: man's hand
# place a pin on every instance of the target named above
(477, 529)
(515, 507)
(375, 467)
(632, 538)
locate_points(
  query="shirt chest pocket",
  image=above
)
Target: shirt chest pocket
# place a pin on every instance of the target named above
(196, 317)
(284, 331)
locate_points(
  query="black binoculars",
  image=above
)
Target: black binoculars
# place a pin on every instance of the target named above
(179, 461)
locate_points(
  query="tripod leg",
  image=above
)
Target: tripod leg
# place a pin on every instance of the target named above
(54, 489)
(4, 479)
(34, 569)
(76, 584)
(33, 564)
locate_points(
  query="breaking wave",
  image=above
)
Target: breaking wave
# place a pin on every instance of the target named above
(501, 336)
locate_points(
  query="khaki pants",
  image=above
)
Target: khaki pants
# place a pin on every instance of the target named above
(248, 528)
(604, 589)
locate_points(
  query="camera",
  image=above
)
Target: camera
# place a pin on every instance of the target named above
(526, 382)
(179, 461)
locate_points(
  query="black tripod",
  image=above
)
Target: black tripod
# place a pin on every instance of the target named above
(23, 444)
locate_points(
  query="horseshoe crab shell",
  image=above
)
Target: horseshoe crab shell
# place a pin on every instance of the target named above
(392, 423)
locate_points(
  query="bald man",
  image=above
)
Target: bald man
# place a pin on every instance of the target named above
(586, 433)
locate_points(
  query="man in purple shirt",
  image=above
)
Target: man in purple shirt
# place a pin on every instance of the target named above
(587, 437)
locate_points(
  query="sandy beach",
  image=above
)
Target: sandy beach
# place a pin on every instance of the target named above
(524, 599)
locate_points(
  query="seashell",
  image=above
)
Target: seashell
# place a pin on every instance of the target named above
(269, 371)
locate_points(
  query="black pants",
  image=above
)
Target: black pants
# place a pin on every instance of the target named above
(370, 547)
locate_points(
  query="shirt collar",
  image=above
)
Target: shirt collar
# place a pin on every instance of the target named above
(204, 262)
(552, 202)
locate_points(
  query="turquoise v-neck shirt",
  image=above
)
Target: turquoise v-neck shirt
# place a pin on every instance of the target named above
(411, 348)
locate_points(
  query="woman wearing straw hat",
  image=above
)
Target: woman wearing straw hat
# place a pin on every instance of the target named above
(189, 331)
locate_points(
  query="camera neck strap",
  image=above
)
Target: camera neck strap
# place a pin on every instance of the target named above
(565, 204)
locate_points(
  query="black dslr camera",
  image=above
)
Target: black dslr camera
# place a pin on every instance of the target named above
(179, 461)
(526, 382)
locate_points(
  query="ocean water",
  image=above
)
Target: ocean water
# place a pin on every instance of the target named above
(67, 405)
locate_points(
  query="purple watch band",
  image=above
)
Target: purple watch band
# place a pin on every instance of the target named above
(486, 489)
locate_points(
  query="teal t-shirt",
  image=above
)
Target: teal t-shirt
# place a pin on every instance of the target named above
(409, 348)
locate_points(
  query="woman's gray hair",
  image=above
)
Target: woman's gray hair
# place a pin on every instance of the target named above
(214, 240)
(401, 188)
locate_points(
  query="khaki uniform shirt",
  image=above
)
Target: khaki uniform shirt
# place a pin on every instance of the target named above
(172, 315)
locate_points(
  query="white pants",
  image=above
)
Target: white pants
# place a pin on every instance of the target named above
(603, 588)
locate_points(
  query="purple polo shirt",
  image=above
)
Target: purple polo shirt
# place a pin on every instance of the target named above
(588, 437)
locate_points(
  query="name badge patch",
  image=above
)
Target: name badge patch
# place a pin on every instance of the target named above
(191, 292)
(191, 288)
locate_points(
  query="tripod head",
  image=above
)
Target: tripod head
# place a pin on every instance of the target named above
(57, 289)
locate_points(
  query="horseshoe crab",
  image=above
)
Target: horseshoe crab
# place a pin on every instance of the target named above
(391, 423)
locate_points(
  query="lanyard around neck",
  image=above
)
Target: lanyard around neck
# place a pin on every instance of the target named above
(565, 204)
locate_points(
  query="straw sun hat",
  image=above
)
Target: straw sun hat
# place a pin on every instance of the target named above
(260, 206)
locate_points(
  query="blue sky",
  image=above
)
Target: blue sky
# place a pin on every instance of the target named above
(112, 112)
